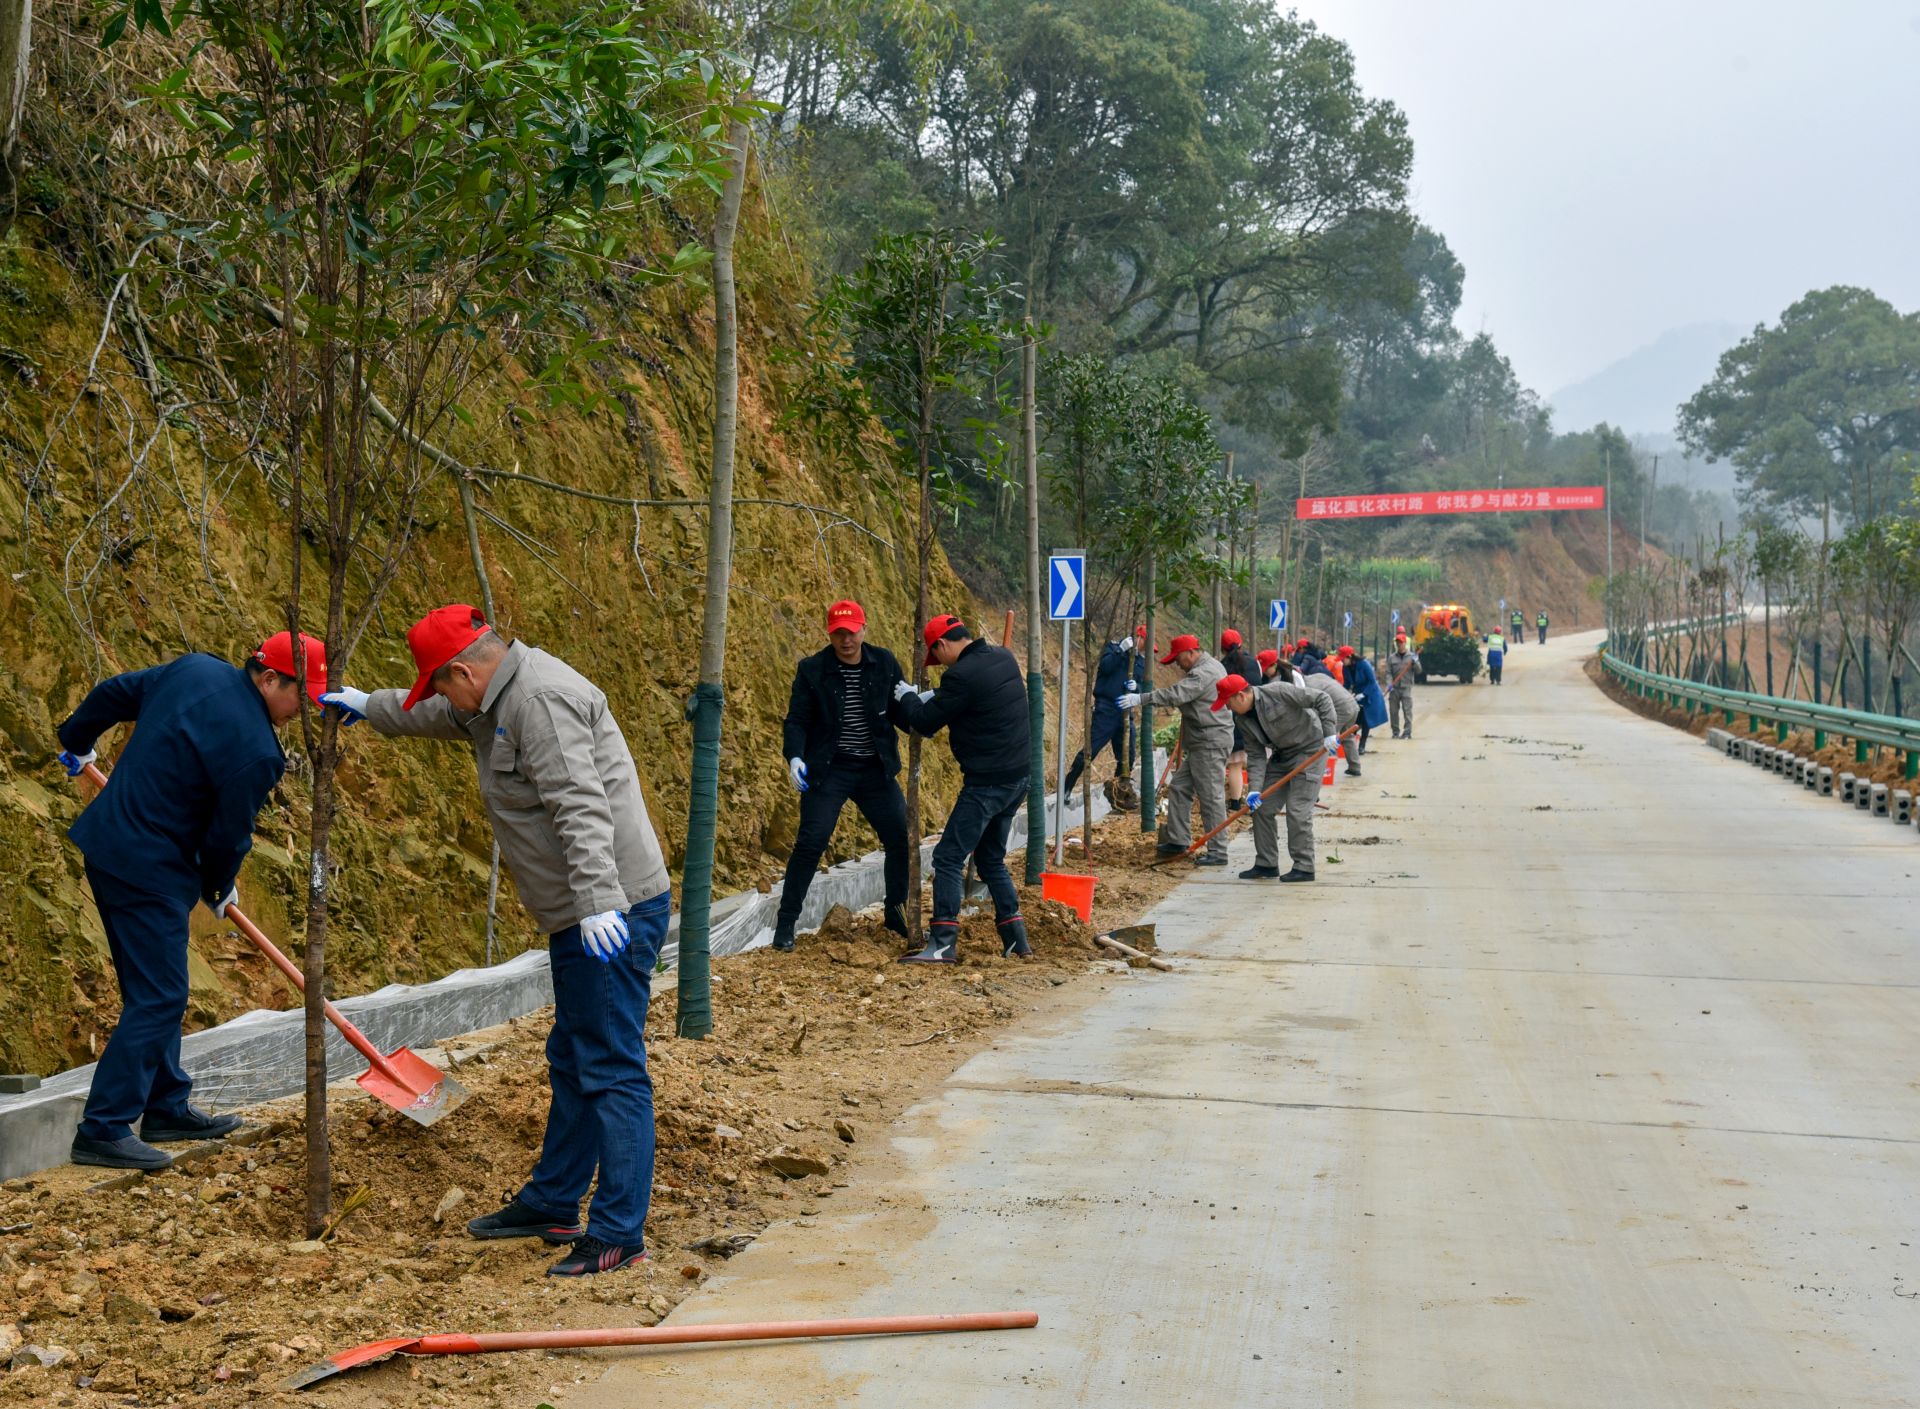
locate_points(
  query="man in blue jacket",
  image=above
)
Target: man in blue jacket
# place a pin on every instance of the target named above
(840, 745)
(982, 704)
(171, 830)
(1119, 671)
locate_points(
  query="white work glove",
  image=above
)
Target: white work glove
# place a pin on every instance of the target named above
(605, 934)
(1130, 700)
(232, 897)
(1253, 802)
(797, 770)
(1331, 744)
(1130, 645)
(76, 763)
(926, 696)
(351, 703)
(902, 689)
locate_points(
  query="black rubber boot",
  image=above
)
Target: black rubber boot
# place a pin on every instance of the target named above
(896, 920)
(1260, 873)
(1013, 939)
(128, 1152)
(943, 945)
(783, 936)
(194, 1125)
(519, 1220)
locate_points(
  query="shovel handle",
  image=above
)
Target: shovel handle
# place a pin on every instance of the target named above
(286, 966)
(456, 1344)
(1268, 792)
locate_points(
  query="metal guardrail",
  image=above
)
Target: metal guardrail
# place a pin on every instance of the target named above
(1888, 730)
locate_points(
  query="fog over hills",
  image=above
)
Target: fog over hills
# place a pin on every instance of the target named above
(1641, 392)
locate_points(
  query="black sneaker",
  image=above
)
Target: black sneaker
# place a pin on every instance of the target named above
(896, 920)
(193, 1125)
(1296, 874)
(128, 1152)
(1013, 939)
(519, 1220)
(591, 1256)
(1260, 873)
(1209, 860)
(783, 936)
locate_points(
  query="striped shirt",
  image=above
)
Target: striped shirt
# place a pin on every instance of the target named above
(856, 724)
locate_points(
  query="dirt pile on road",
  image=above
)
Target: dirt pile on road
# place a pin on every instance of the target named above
(198, 1283)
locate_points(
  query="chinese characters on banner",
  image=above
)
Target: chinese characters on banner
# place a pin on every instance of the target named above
(1451, 501)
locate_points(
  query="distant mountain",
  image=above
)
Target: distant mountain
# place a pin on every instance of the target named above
(1641, 392)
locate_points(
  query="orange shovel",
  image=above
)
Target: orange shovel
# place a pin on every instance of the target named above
(456, 1344)
(409, 1083)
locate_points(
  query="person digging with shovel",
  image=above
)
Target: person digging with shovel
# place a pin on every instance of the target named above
(1285, 723)
(560, 788)
(982, 704)
(1205, 741)
(172, 831)
(840, 744)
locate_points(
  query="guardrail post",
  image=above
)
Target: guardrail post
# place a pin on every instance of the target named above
(1819, 735)
(1912, 769)
(1859, 750)
(1780, 731)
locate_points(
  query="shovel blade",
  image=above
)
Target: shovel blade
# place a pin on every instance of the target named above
(423, 1093)
(346, 1360)
(1139, 936)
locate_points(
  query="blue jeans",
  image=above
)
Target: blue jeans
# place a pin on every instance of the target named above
(139, 1073)
(982, 817)
(602, 1111)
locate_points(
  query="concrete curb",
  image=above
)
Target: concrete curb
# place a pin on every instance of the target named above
(1875, 799)
(260, 1055)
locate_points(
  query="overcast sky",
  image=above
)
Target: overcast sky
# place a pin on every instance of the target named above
(1607, 171)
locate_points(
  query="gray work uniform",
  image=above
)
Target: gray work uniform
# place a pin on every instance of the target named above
(1401, 667)
(558, 783)
(1206, 738)
(1346, 709)
(1285, 728)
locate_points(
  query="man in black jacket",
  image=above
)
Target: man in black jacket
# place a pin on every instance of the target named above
(982, 703)
(840, 745)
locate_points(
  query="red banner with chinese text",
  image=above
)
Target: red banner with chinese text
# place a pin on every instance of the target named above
(1451, 501)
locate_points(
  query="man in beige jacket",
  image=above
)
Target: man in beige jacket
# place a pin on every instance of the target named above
(561, 791)
(1206, 738)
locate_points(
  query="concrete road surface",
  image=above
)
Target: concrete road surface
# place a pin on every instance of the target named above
(1588, 1075)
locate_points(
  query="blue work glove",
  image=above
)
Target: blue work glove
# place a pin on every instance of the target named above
(797, 770)
(1331, 744)
(219, 907)
(351, 703)
(605, 934)
(1253, 802)
(75, 763)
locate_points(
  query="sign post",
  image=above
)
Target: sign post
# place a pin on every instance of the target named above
(1066, 604)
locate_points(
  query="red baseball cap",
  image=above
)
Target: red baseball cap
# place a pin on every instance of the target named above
(437, 638)
(1139, 630)
(1229, 637)
(1268, 658)
(1177, 645)
(1346, 651)
(276, 654)
(1225, 690)
(846, 615)
(936, 629)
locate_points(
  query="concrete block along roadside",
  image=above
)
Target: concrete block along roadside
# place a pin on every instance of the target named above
(260, 1056)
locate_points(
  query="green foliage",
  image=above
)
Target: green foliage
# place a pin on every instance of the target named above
(1877, 565)
(1824, 406)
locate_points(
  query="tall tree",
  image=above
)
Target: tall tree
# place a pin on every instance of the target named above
(915, 336)
(1823, 405)
(425, 178)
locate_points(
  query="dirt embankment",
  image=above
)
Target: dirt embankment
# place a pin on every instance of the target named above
(1882, 766)
(1555, 567)
(192, 1284)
